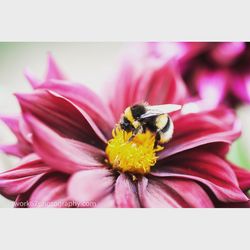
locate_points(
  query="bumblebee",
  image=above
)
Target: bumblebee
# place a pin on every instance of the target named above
(142, 117)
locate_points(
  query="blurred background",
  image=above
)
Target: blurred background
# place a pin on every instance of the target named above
(89, 63)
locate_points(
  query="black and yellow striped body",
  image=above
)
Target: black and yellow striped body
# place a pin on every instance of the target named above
(160, 125)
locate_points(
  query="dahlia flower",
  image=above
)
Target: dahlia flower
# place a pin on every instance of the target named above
(219, 72)
(73, 154)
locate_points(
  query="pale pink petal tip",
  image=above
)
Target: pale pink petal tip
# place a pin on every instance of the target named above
(34, 82)
(53, 71)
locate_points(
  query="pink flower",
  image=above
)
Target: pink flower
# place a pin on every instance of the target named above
(65, 143)
(225, 63)
(217, 72)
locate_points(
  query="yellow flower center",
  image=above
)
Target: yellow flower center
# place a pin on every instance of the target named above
(135, 156)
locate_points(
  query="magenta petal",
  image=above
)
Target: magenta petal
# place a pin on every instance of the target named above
(87, 100)
(121, 92)
(25, 131)
(164, 51)
(63, 154)
(206, 168)
(12, 149)
(14, 125)
(62, 116)
(218, 126)
(22, 178)
(53, 71)
(157, 195)
(21, 200)
(243, 176)
(90, 185)
(160, 86)
(125, 192)
(225, 53)
(22, 147)
(191, 50)
(107, 201)
(34, 82)
(212, 85)
(11, 122)
(241, 87)
(191, 192)
(50, 193)
(172, 192)
(157, 84)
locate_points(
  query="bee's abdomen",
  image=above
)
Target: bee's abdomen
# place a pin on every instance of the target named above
(166, 133)
(166, 127)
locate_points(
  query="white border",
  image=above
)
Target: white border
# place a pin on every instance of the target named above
(130, 20)
(124, 229)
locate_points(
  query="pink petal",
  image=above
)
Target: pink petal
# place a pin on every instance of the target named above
(20, 179)
(53, 71)
(164, 51)
(125, 192)
(243, 176)
(172, 192)
(25, 130)
(241, 87)
(193, 193)
(121, 91)
(90, 185)
(154, 84)
(219, 148)
(18, 149)
(193, 49)
(87, 100)
(62, 116)
(157, 195)
(225, 116)
(225, 53)
(34, 82)
(212, 86)
(60, 153)
(195, 130)
(12, 149)
(50, 193)
(22, 147)
(12, 122)
(161, 85)
(21, 200)
(206, 168)
(106, 202)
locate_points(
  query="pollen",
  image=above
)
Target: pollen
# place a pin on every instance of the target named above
(135, 156)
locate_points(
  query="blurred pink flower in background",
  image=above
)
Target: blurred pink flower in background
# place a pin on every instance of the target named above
(219, 72)
(62, 134)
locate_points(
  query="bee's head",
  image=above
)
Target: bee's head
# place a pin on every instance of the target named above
(126, 125)
(131, 118)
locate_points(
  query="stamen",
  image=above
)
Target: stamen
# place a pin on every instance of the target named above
(134, 156)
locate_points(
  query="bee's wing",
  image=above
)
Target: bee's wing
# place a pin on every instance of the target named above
(160, 109)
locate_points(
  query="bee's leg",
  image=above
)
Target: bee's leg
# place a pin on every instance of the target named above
(131, 137)
(135, 132)
(157, 138)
